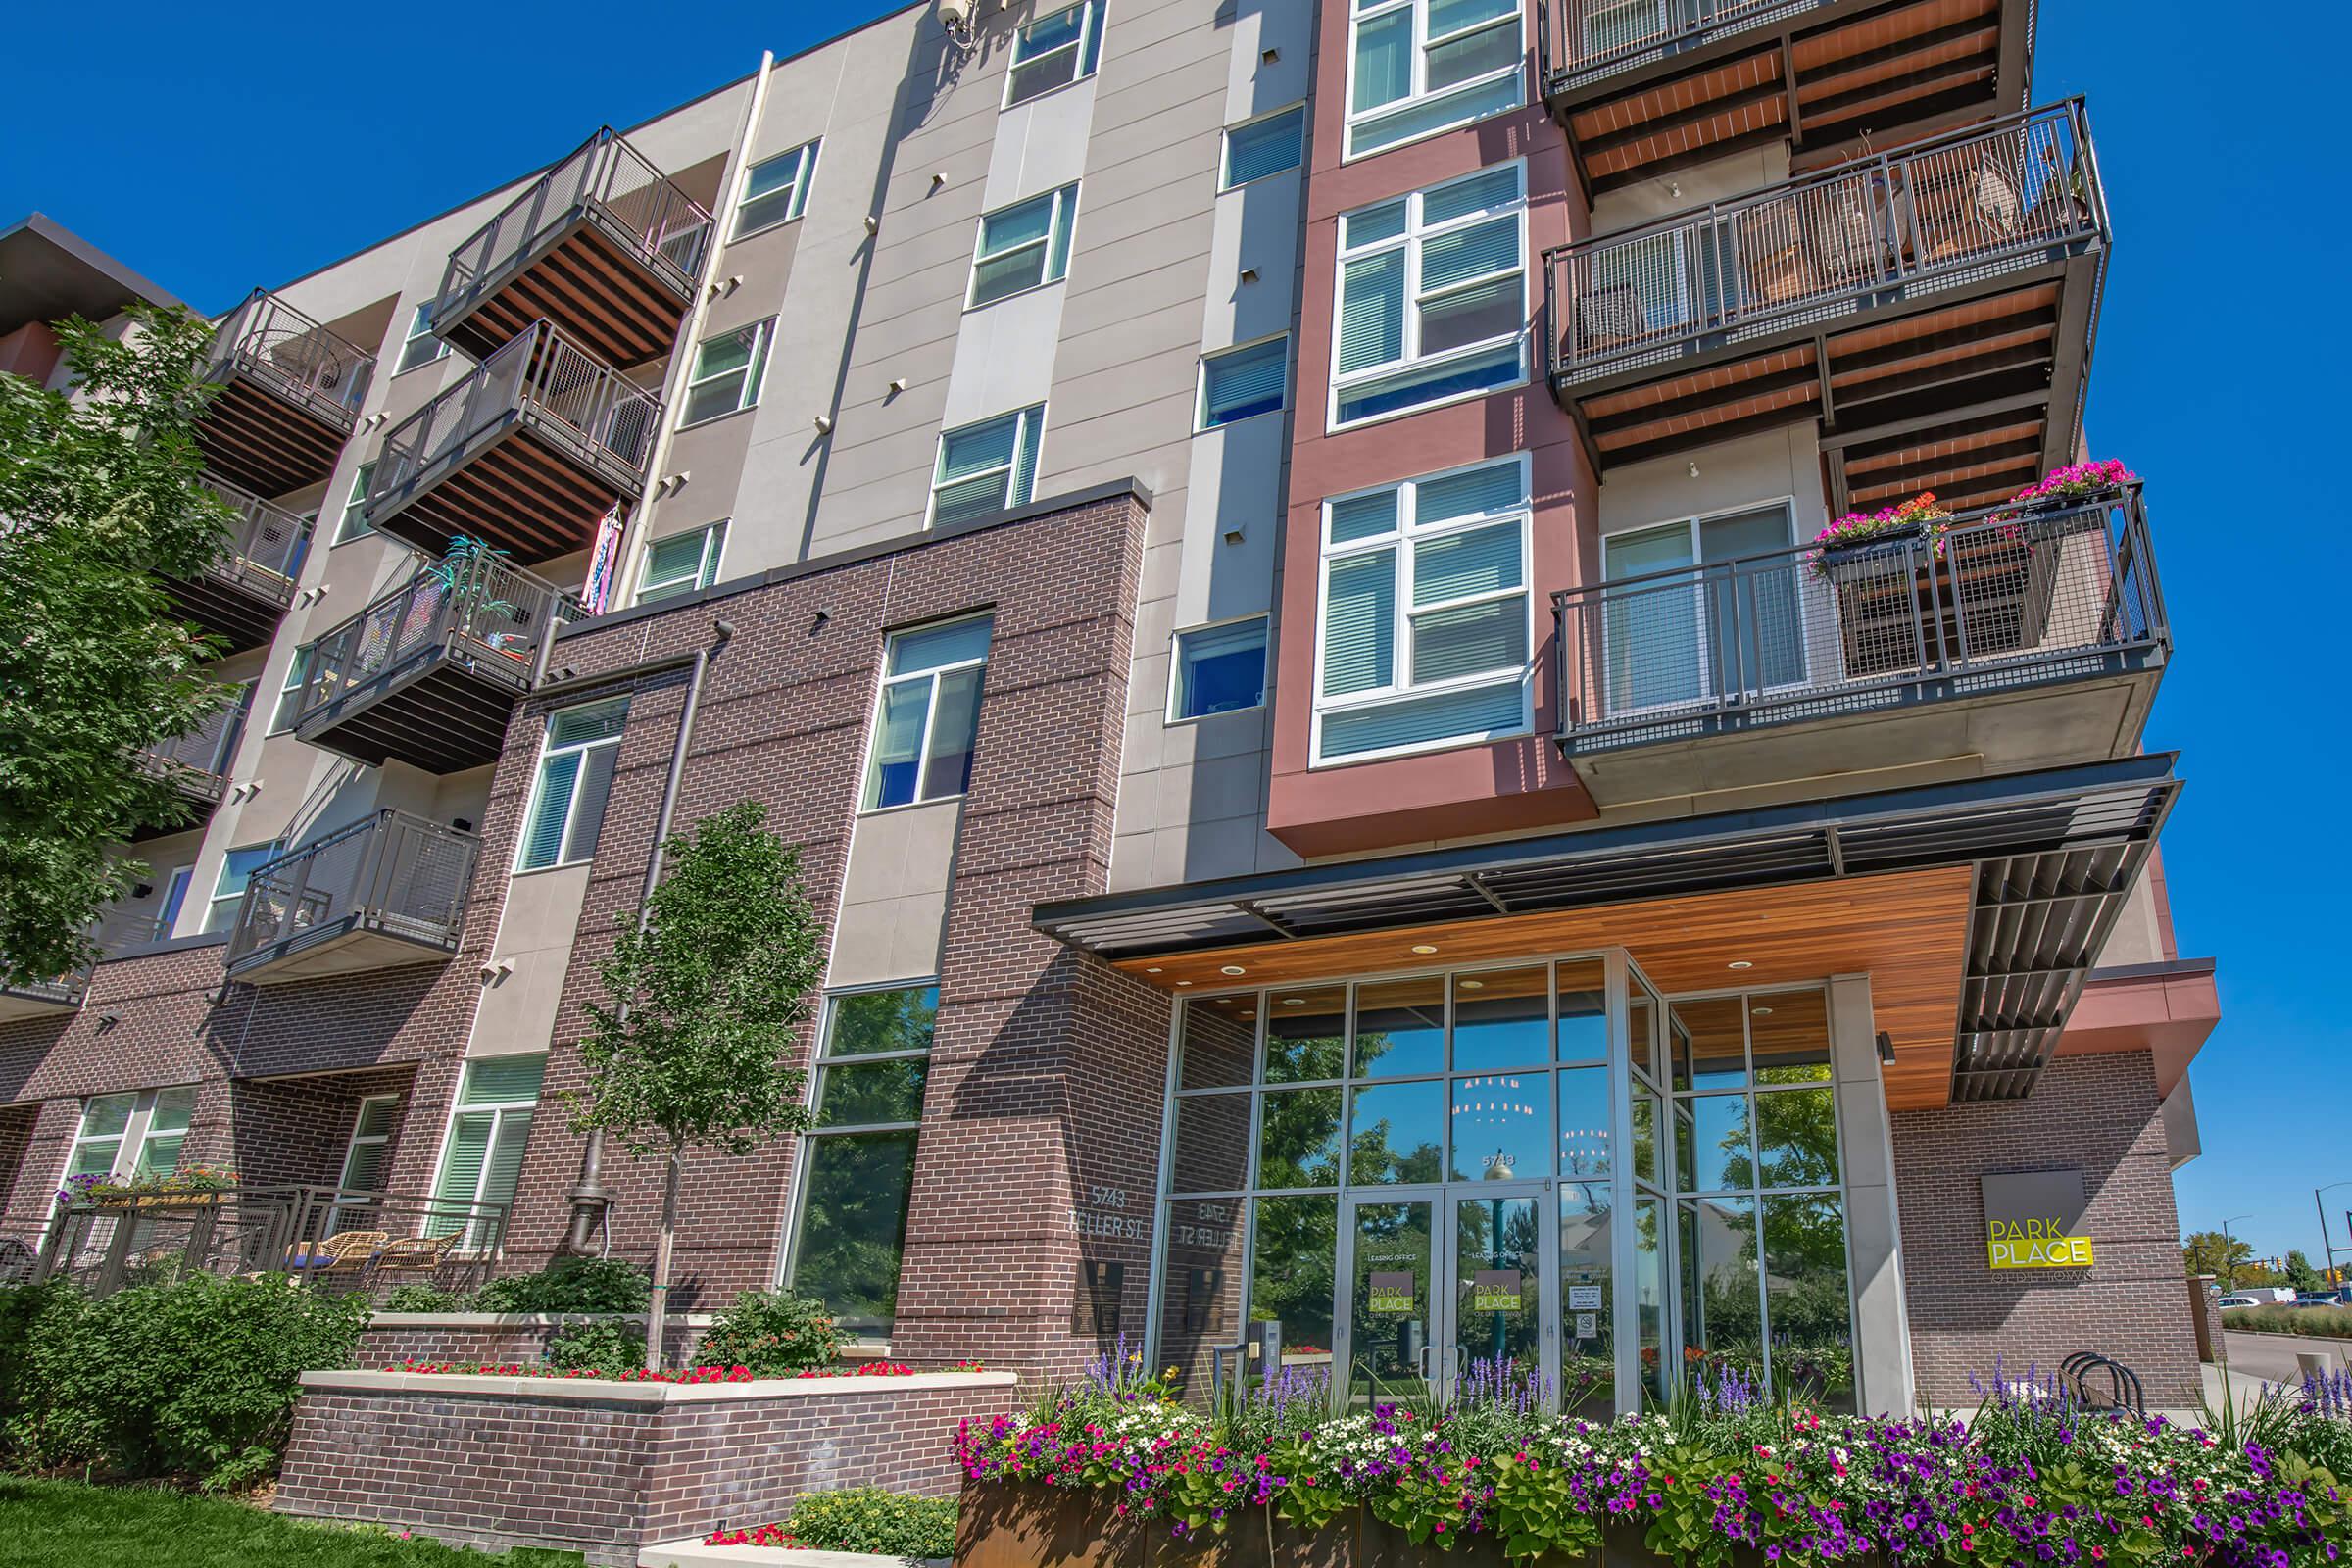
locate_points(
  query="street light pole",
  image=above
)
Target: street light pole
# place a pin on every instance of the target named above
(2229, 1254)
(2324, 1242)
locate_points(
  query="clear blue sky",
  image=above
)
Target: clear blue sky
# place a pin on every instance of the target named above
(284, 137)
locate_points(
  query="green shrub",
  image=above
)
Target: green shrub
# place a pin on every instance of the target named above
(2318, 1322)
(424, 1299)
(196, 1377)
(569, 1285)
(868, 1519)
(772, 1334)
(596, 1347)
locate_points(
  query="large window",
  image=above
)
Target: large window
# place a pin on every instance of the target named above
(1425, 631)
(368, 1158)
(1023, 246)
(1717, 611)
(1239, 384)
(857, 1165)
(482, 1155)
(727, 371)
(1431, 297)
(352, 522)
(986, 466)
(134, 1134)
(421, 345)
(1219, 669)
(1417, 66)
(682, 563)
(1054, 51)
(228, 887)
(576, 774)
(929, 713)
(1265, 146)
(775, 190)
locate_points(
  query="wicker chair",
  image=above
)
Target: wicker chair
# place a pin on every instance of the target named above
(416, 1254)
(343, 1253)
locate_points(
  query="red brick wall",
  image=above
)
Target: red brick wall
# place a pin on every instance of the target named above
(2097, 1112)
(289, 1131)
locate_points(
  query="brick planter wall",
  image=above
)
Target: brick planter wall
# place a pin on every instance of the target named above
(478, 1338)
(607, 1468)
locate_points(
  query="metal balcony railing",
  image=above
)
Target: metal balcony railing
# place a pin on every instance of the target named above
(2010, 596)
(121, 932)
(1951, 210)
(281, 348)
(1578, 37)
(265, 547)
(199, 761)
(576, 399)
(392, 873)
(618, 188)
(482, 612)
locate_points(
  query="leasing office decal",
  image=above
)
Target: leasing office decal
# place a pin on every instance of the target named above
(2032, 1219)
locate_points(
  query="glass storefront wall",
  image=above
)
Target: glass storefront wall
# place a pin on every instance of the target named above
(1416, 1183)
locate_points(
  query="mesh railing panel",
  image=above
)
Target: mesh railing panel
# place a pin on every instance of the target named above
(598, 408)
(484, 609)
(270, 339)
(391, 871)
(208, 748)
(265, 545)
(490, 392)
(1581, 35)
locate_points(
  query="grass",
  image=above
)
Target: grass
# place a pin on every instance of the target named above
(2316, 1322)
(66, 1523)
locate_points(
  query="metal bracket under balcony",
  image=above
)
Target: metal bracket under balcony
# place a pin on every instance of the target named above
(243, 593)
(430, 672)
(2019, 638)
(528, 454)
(197, 764)
(386, 890)
(1933, 308)
(605, 245)
(289, 393)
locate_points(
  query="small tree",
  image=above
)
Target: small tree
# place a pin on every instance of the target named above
(707, 989)
(2300, 1274)
(100, 494)
(2211, 1253)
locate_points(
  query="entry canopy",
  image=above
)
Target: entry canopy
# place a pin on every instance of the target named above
(1992, 896)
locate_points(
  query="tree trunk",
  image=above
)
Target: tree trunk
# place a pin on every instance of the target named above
(657, 1315)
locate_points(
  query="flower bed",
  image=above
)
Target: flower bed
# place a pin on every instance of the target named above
(2032, 1477)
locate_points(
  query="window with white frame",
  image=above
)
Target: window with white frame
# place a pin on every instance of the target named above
(1237, 383)
(1054, 51)
(1266, 145)
(858, 1159)
(1425, 631)
(775, 190)
(137, 1133)
(1023, 246)
(727, 371)
(353, 524)
(289, 695)
(986, 466)
(576, 774)
(928, 715)
(1431, 297)
(228, 887)
(367, 1157)
(482, 1153)
(1418, 67)
(421, 345)
(682, 563)
(176, 894)
(98, 1140)
(1219, 669)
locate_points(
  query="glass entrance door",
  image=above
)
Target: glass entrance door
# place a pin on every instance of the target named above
(1451, 1288)
(1393, 1331)
(1500, 1273)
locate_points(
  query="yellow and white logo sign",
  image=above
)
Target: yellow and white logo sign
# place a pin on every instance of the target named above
(2034, 1219)
(2037, 1243)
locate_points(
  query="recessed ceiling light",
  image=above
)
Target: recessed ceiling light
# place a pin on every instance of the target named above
(1294, 1001)
(1762, 1012)
(1740, 964)
(1425, 947)
(1151, 968)
(1252, 1013)
(1474, 985)
(1184, 982)
(1232, 968)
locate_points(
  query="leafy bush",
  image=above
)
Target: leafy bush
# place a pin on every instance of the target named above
(2316, 1322)
(596, 1347)
(425, 1299)
(197, 1378)
(569, 1285)
(772, 1334)
(868, 1519)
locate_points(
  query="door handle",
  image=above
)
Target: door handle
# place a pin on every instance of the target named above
(1423, 1359)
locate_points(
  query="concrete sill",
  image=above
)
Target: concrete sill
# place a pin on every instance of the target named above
(644, 1396)
(690, 1553)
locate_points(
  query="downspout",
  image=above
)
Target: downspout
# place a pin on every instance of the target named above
(589, 1200)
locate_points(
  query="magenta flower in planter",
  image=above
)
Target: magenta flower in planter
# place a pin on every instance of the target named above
(1921, 512)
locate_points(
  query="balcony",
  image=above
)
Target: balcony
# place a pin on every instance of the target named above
(1646, 87)
(604, 245)
(429, 672)
(119, 933)
(290, 390)
(197, 763)
(386, 890)
(243, 593)
(2023, 638)
(1931, 309)
(527, 452)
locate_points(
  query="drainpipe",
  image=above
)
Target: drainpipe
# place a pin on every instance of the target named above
(589, 1200)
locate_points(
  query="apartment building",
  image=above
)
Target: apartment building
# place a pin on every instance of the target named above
(1264, 555)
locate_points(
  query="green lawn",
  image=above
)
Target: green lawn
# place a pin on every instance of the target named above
(62, 1524)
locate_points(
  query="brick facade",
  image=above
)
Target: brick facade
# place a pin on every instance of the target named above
(2097, 1112)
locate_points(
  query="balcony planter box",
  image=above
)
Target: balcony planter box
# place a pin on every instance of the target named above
(188, 1199)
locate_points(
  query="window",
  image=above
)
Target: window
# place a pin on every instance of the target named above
(1221, 670)
(1266, 146)
(1433, 296)
(289, 696)
(1425, 634)
(1244, 381)
(176, 894)
(986, 466)
(133, 1133)
(354, 521)
(482, 1154)
(1054, 52)
(727, 371)
(1024, 245)
(228, 889)
(421, 347)
(368, 1159)
(1420, 66)
(576, 774)
(929, 713)
(682, 563)
(1721, 614)
(98, 1141)
(166, 1128)
(775, 191)
(858, 1163)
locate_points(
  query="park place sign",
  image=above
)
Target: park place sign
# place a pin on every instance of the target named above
(2032, 1219)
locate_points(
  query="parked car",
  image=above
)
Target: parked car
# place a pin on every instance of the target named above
(2320, 1298)
(2229, 1302)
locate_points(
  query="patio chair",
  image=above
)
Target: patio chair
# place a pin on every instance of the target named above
(416, 1254)
(19, 1262)
(343, 1253)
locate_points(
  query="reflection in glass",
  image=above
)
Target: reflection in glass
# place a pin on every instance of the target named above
(1213, 1143)
(1641, 1030)
(1720, 1306)
(1645, 1135)
(1298, 1140)
(1588, 1333)
(1200, 1290)
(1397, 1134)
(1390, 1300)
(1219, 1044)
(1677, 1051)
(1649, 1296)
(1584, 1122)
(865, 1092)
(1306, 1034)
(1721, 1154)
(852, 1220)
(1291, 1281)
(1400, 1028)
(1584, 1012)
(1796, 1137)
(1804, 1281)
(1718, 1042)
(1501, 1018)
(1789, 1033)
(1501, 1127)
(1498, 1296)
(865, 1022)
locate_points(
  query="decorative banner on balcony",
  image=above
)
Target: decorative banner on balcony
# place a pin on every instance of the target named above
(603, 565)
(1495, 1289)
(2032, 1219)
(1393, 1295)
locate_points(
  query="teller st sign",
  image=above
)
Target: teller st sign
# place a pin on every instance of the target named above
(2032, 1219)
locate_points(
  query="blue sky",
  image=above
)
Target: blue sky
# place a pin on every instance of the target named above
(291, 135)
